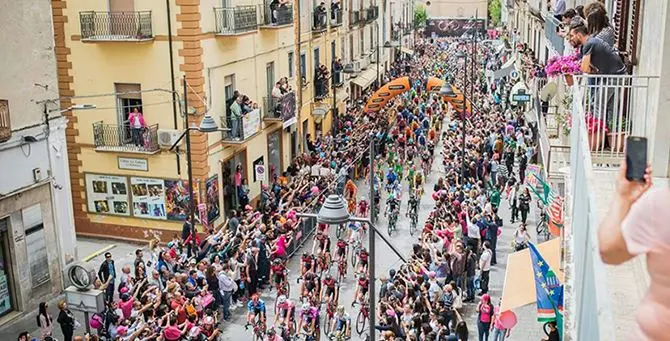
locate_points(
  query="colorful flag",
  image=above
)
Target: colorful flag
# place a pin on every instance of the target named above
(554, 206)
(548, 289)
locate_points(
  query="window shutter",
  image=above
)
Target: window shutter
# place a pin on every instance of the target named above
(620, 23)
(634, 32)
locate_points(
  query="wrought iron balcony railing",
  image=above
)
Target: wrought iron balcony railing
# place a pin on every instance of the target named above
(123, 138)
(271, 108)
(235, 20)
(115, 26)
(277, 16)
(338, 78)
(336, 18)
(319, 21)
(354, 18)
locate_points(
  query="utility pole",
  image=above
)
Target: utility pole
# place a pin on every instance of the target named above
(371, 235)
(299, 75)
(191, 205)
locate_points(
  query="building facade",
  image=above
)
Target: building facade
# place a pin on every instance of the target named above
(37, 237)
(136, 55)
(457, 9)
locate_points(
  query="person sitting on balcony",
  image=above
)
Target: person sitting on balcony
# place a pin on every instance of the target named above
(635, 225)
(320, 15)
(137, 125)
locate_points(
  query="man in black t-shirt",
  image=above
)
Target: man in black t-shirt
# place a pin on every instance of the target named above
(597, 56)
(553, 332)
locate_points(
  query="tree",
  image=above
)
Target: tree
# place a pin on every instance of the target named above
(420, 16)
(494, 12)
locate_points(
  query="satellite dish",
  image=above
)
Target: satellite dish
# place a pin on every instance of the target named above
(548, 91)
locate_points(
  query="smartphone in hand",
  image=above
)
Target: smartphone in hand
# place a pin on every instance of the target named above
(636, 158)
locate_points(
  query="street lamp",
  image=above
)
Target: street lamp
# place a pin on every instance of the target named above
(207, 125)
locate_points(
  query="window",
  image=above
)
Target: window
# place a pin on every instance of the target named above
(351, 47)
(303, 65)
(128, 97)
(291, 56)
(228, 91)
(333, 54)
(270, 77)
(5, 125)
(317, 60)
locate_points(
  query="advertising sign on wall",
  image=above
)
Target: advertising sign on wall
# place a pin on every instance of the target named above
(212, 189)
(107, 194)
(148, 198)
(251, 123)
(177, 199)
(453, 27)
(288, 110)
(529, 178)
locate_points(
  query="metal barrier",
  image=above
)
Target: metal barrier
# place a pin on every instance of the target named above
(614, 107)
(271, 108)
(336, 17)
(591, 314)
(115, 26)
(319, 21)
(234, 20)
(354, 17)
(302, 235)
(122, 138)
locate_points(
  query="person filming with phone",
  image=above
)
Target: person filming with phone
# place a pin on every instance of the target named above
(637, 224)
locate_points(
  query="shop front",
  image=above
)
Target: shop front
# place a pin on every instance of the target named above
(234, 175)
(274, 143)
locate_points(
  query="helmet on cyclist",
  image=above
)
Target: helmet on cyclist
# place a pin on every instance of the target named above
(328, 277)
(277, 261)
(305, 254)
(392, 273)
(271, 331)
(340, 309)
(305, 306)
(361, 277)
(281, 299)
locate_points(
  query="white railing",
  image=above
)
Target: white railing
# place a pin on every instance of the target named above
(614, 106)
(589, 307)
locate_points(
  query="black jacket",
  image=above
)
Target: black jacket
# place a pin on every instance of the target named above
(103, 273)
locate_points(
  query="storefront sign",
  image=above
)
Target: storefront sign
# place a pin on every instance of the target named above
(148, 198)
(251, 123)
(133, 164)
(107, 194)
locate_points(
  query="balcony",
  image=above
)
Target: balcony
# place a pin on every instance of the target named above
(121, 138)
(320, 89)
(235, 20)
(354, 18)
(338, 78)
(551, 27)
(371, 13)
(271, 109)
(5, 125)
(319, 21)
(242, 129)
(279, 17)
(115, 26)
(335, 18)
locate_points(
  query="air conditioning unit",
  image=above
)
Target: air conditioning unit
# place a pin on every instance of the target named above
(167, 137)
(373, 58)
(365, 62)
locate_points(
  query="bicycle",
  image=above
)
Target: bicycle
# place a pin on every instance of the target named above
(338, 336)
(283, 287)
(363, 315)
(323, 263)
(258, 331)
(542, 228)
(356, 250)
(341, 268)
(414, 219)
(392, 222)
(285, 331)
(340, 231)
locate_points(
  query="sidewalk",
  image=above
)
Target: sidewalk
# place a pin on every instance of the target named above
(527, 328)
(123, 253)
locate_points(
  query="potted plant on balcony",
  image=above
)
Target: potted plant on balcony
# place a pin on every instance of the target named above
(564, 65)
(617, 133)
(597, 130)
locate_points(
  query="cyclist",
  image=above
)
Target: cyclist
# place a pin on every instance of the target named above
(391, 178)
(310, 285)
(272, 336)
(306, 263)
(362, 263)
(256, 308)
(341, 249)
(363, 207)
(285, 313)
(412, 204)
(425, 157)
(329, 284)
(309, 320)
(278, 272)
(341, 322)
(391, 203)
(322, 244)
(362, 286)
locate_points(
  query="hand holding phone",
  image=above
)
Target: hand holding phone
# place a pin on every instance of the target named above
(636, 158)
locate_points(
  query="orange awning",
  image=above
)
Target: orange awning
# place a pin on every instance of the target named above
(519, 287)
